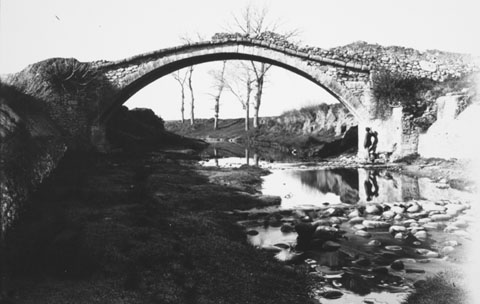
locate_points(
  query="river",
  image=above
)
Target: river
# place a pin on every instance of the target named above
(366, 235)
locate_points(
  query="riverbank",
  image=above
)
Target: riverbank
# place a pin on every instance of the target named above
(155, 227)
(142, 228)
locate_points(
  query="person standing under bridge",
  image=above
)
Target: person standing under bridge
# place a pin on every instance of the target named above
(370, 143)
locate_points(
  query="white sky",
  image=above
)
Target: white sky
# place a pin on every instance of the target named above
(33, 30)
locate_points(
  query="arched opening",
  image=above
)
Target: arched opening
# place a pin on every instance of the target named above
(327, 83)
(160, 72)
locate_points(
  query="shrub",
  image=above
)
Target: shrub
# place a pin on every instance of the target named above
(396, 89)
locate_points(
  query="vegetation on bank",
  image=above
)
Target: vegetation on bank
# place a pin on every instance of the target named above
(417, 96)
(443, 288)
(142, 130)
(283, 132)
(140, 228)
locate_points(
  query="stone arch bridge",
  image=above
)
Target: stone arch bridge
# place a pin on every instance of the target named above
(80, 97)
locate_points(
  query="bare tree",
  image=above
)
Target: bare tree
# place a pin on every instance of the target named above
(181, 77)
(192, 96)
(240, 84)
(254, 21)
(188, 76)
(218, 86)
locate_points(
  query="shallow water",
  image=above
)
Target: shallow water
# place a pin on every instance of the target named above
(424, 226)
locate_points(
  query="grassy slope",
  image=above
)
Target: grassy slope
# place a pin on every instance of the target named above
(140, 229)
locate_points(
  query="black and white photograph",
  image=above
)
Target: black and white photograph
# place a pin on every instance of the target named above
(239, 152)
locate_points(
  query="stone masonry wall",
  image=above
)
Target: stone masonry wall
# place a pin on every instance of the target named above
(30, 146)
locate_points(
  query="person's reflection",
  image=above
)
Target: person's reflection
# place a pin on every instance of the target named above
(371, 185)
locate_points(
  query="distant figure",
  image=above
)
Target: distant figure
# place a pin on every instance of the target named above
(368, 138)
(370, 143)
(373, 147)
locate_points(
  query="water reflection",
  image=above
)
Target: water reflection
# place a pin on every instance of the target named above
(225, 154)
(371, 185)
(358, 254)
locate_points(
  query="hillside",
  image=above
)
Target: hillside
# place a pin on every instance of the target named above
(321, 130)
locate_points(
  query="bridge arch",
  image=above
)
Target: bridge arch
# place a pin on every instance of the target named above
(131, 75)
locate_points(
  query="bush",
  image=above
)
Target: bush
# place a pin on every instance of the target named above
(396, 89)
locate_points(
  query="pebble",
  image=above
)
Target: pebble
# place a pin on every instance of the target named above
(334, 211)
(414, 230)
(447, 249)
(356, 220)
(408, 223)
(374, 243)
(354, 213)
(363, 233)
(398, 236)
(413, 209)
(397, 265)
(432, 225)
(397, 229)
(398, 209)
(393, 248)
(287, 228)
(331, 294)
(372, 209)
(388, 214)
(375, 224)
(440, 217)
(428, 253)
(359, 227)
(252, 232)
(421, 235)
(335, 220)
(424, 220)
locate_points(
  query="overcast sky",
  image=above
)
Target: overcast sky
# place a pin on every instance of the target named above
(33, 30)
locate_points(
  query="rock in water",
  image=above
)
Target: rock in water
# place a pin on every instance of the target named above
(363, 233)
(330, 246)
(305, 230)
(331, 294)
(397, 265)
(287, 228)
(375, 224)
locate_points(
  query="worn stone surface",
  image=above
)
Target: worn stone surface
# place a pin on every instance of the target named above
(83, 96)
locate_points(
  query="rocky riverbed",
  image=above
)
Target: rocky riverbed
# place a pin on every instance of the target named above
(371, 249)
(156, 227)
